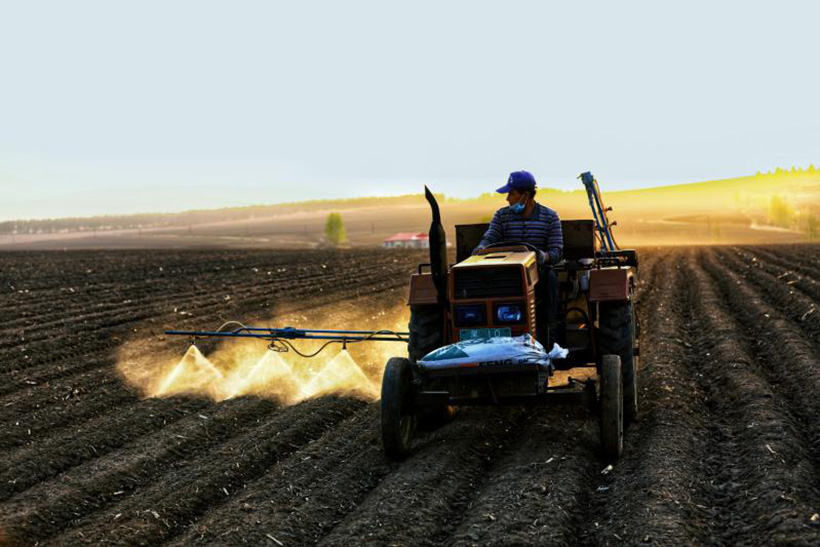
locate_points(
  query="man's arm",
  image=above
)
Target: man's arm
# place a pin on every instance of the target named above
(493, 234)
(555, 239)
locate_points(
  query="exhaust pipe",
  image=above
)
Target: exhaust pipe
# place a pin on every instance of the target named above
(438, 249)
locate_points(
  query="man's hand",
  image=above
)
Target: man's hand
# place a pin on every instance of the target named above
(543, 257)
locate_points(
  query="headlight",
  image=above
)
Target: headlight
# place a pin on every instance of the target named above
(470, 315)
(509, 313)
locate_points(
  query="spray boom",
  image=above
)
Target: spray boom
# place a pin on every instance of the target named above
(280, 338)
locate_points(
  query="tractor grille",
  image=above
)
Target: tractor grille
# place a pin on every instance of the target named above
(488, 283)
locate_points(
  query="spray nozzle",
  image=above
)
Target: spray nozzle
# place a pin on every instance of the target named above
(277, 345)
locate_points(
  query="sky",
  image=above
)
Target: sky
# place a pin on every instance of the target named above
(121, 107)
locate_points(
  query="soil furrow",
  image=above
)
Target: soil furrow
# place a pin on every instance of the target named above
(26, 354)
(30, 413)
(761, 453)
(791, 264)
(534, 491)
(790, 361)
(59, 367)
(423, 501)
(49, 334)
(304, 495)
(196, 299)
(57, 350)
(804, 312)
(646, 496)
(782, 273)
(52, 506)
(726, 449)
(92, 439)
(183, 496)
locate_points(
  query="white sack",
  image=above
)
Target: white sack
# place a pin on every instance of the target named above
(502, 350)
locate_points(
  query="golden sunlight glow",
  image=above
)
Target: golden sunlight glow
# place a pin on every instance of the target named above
(238, 367)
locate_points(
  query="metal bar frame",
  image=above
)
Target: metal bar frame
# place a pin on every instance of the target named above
(290, 333)
(598, 212)
(585, 397)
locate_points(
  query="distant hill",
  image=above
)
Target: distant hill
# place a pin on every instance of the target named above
(783, 205)
(189, 218)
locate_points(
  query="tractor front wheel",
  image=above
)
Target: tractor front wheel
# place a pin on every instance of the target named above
(611, 407)
(398, 416)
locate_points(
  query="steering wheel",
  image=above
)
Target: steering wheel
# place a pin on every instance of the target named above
(529, 246)
(538, 252)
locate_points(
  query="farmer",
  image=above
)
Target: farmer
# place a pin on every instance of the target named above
(527, 221)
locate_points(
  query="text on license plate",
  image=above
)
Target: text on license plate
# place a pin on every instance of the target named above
(472, 334)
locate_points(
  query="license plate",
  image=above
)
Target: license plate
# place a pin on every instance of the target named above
(472, 334)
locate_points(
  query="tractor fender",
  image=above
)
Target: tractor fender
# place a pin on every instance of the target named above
(609, 285)
(422, 290)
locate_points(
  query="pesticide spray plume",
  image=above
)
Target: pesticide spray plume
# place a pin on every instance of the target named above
(243, 367)
(193, 374)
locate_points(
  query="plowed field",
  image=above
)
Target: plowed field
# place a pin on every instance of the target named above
(726, 450)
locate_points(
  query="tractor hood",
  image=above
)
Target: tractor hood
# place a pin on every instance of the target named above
(506, 258)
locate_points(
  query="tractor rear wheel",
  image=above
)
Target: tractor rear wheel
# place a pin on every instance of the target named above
(611, 407)
(398, 416)
(617, 336)
(426, 330)
(427, 334)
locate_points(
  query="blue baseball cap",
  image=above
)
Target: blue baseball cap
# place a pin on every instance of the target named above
(519, 180)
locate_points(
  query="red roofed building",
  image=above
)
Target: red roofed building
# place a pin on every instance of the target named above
(407, 240)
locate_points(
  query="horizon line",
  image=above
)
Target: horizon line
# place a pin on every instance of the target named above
(777, 171)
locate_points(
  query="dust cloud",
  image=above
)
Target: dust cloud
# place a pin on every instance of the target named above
(242, 366)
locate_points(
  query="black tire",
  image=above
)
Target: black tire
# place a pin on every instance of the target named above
(426, 334)
(617, 336)
(398, 417)
(611, 407)
(426, 325)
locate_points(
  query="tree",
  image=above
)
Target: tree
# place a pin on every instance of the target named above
(335, 229)
(780, 212)
(811, 225)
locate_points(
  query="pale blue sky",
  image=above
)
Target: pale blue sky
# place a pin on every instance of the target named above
(117, 107)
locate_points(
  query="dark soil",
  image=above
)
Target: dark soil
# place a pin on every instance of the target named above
(726, 450)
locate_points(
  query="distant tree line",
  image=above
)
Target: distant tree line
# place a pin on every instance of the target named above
(187, 218)
(810, 170)
(198, 217)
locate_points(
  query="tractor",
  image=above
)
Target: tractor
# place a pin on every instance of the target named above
(491, 294)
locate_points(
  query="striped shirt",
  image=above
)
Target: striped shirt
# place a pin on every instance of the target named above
(541, 229)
